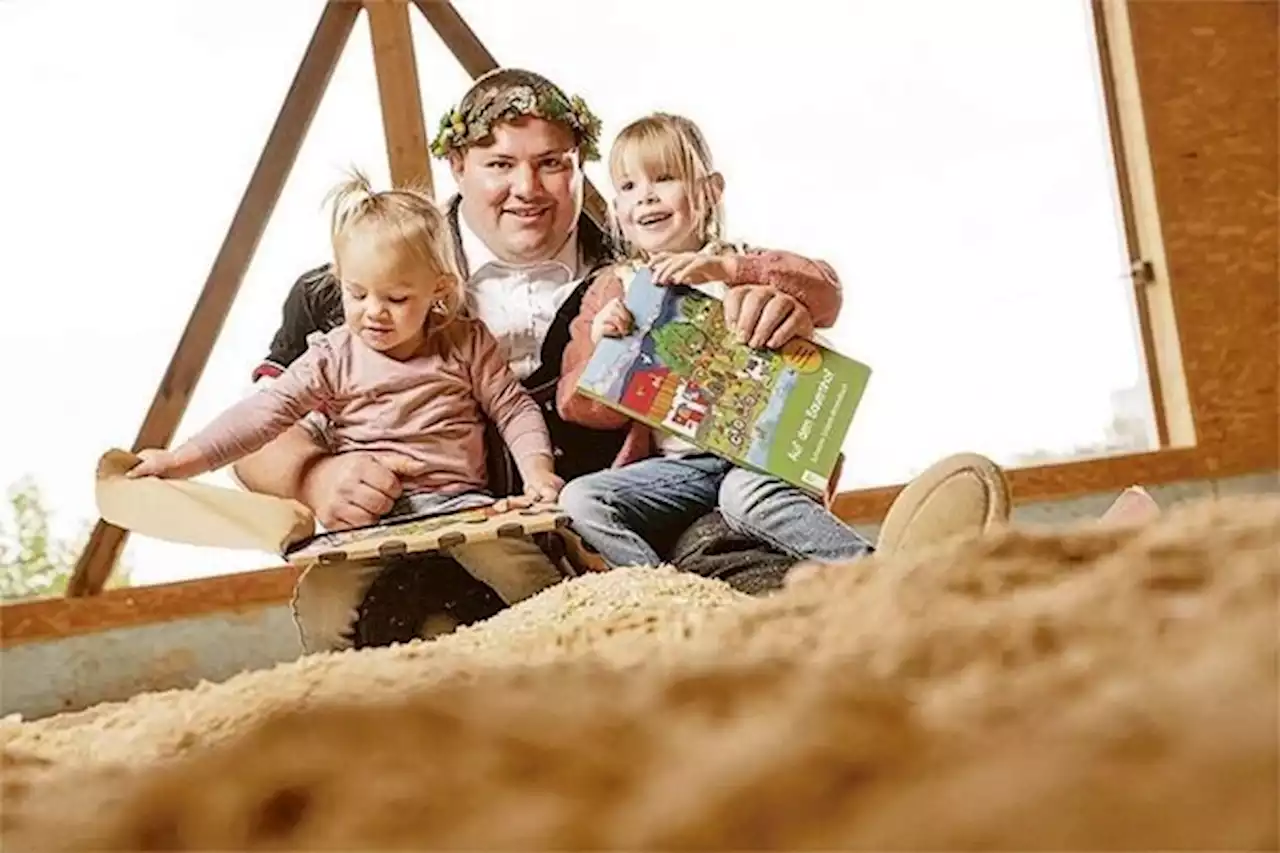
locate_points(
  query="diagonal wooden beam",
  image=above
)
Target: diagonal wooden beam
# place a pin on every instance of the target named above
(192, 354)
(476, 60)
(399, 93)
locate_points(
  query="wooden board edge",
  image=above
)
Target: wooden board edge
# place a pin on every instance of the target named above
(52, 618)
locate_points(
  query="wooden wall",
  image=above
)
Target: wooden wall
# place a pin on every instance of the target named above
(1208, 72)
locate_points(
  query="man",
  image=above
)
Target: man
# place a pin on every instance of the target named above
(516, 145)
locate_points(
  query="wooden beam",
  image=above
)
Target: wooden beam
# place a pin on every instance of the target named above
(1160, 337)
(43, 619)
(476, 60)
(400, 95)
(241, 241)
(1128, 218)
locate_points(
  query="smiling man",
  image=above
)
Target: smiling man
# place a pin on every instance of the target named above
(516, 144)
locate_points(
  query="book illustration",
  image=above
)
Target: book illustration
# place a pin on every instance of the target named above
(681, 370)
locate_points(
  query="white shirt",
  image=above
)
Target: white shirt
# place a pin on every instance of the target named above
(518, 302)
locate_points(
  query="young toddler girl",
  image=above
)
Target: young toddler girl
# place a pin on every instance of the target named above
(668, 208)
(408, 378)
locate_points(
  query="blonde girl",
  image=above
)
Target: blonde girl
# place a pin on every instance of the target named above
(407, 377)
(669, 213)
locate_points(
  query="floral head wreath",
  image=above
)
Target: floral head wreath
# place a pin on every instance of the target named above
(459, 129)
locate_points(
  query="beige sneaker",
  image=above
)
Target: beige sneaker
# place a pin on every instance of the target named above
(961, 495)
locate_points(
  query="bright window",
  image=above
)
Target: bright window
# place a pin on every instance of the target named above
(950, 159)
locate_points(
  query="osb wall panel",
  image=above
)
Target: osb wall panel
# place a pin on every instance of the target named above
(1208, 76)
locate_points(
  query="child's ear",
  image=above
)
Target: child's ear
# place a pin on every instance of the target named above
(448, 284)
(715, 187)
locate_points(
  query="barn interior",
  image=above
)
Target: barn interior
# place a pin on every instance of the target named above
(1055, 683)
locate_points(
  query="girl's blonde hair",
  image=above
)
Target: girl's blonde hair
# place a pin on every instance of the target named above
(404, 220)
(668, 144)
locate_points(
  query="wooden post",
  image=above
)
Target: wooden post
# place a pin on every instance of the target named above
(476, 60)
(238, 247)
(399, 92)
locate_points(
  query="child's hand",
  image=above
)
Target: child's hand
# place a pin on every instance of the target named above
(614, 321)
(538, 488)
(167, 464)
(540, 480)
(544, 487)
(692, 268)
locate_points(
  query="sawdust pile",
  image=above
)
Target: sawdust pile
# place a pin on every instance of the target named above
(1079, 689)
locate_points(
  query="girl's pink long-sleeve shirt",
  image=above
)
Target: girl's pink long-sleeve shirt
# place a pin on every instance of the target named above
(429, 409)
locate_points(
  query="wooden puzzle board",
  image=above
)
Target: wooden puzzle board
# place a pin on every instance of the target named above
(396, 539)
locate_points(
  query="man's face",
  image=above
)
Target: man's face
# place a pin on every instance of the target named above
(522, 193)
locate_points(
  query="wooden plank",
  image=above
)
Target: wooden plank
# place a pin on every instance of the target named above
(1144, 224)
(401, 98)
(53, 618)
(241, 241)
(476, 60)
(1107, 46)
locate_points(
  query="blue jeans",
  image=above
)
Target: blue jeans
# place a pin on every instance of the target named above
(634, 514)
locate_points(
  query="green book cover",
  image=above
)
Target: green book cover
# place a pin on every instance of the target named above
(783, 412)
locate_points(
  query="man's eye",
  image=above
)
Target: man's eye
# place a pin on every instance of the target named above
(499, 164)
(396, 300)
(553, 163)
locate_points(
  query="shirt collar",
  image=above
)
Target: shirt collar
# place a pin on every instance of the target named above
(479, 256)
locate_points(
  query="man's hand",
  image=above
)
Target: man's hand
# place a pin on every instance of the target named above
(763, 316)
(613, 320)
(692, 268)
(353, 489)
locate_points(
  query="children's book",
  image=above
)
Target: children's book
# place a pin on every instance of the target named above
(682, 371)
(195, 513)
